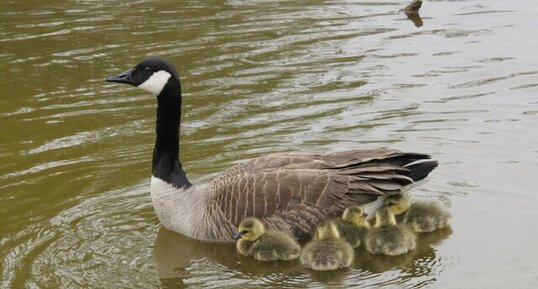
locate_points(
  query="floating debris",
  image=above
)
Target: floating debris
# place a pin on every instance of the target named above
(413, 7)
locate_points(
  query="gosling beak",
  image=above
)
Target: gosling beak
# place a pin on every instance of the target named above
(124, 77)
(237, 236)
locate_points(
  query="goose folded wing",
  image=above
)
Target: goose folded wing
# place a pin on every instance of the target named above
(339, 160)
(293, 198)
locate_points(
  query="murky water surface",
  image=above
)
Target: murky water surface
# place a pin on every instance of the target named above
(262, 77)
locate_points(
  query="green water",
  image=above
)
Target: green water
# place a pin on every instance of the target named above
(261, 77)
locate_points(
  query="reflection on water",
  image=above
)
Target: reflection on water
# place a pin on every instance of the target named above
(415, 18)
(262, 77)
(181, 260)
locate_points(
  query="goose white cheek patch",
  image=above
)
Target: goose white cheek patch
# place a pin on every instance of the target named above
(155, 82)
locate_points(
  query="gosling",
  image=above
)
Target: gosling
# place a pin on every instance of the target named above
(353, 226)
(387, 237)
(255, 241)
(327, 251)
(421, 216)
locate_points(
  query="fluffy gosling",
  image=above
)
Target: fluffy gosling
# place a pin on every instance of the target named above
(353, 226)
(255, 241)
(421, 216)
(327, 251)
(387, 237)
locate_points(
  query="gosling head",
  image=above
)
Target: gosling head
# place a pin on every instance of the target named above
(151, 74)
(327, 231)
(398, 204)
(384, 216)
(355, 215)
(250, 229)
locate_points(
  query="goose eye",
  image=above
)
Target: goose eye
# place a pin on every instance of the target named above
(146, 68)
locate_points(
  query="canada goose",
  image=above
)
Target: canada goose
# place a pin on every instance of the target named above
(387, 237)
(327, 251)
(421, 216)
(353, 225)
(263, 245)
(287, 191)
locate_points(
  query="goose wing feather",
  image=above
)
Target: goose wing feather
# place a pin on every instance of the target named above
(344, 160)
(295, 191)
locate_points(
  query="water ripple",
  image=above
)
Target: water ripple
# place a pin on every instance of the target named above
(260, 77)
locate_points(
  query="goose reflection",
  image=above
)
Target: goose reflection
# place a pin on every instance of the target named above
(417, 263)
(178, 258)
(415, 18)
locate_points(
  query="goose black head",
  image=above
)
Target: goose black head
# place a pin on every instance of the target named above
(151, 74)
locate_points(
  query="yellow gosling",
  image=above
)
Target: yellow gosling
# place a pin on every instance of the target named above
(387, 237)
(421, 216)
(353, 226)
(327, 251)
(255, 241)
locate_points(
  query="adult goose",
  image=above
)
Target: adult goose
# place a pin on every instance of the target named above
(287, 191)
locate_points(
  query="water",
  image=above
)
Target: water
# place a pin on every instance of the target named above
(262, 77)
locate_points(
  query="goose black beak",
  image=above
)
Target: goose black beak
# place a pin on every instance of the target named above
(237, 236)
(124, 77)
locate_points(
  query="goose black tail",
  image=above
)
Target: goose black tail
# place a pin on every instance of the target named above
(420, 169)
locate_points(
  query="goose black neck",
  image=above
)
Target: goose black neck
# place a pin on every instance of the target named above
(166, 165)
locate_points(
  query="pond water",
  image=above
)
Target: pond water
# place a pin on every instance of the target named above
(261, 77)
